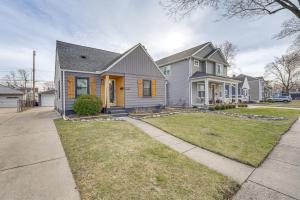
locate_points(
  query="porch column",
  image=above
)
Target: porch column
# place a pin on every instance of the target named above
(224, 95)
(230, 92)
(106, 91)
(236, 93)
(206, 92)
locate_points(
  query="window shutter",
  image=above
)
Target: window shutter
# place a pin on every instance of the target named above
(153, 88)
(140, 87)
(71, 87)
(93, 86)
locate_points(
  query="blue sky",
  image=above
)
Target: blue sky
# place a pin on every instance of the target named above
(117, 25)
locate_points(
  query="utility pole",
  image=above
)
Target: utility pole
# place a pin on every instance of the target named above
(33, 76)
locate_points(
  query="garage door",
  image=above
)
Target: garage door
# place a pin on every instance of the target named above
(8, 101)
(47, 100)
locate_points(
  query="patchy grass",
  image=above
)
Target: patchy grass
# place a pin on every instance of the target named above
(115, 160)
(246, 140)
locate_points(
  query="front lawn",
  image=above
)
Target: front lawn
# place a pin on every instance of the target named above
(115, 160)
(246, 140)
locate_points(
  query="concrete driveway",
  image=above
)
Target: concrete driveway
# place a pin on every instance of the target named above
(33, 164)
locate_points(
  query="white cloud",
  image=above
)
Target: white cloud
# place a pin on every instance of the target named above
(253, 61)
(118, 25)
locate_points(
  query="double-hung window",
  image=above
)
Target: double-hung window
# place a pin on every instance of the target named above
(166, 70)
(147, 88)
(82, 86)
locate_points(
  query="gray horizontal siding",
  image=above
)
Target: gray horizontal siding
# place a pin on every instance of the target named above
(178, 84)
(70, 102)
(132, 100)
(138, 63)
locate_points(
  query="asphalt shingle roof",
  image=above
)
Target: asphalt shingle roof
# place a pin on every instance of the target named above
(8, 90)
(241, 77)
(180, 55)
(81, 58)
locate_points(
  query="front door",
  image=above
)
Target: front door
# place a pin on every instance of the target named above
(112, 92)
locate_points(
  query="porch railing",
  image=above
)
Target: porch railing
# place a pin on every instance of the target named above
(24, 105)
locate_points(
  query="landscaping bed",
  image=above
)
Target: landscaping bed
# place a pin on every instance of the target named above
(246, 140)
(115, 160)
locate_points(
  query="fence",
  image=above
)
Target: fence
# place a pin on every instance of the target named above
(24, 105)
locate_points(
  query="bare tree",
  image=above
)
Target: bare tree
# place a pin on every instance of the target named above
(285, 70)
(242, 9)
(24, 77)
(11, 79)
(229, 51)
(49, 85)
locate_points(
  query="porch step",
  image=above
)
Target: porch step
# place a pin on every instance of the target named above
(119, 115)
(117, 112)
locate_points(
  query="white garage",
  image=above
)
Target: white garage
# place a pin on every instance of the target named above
(47, 98)
(9, 97)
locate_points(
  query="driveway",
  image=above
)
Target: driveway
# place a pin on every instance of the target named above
(33, 164)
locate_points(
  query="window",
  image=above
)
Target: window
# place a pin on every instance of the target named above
(166, 70)
(218, 69)
(200, 90)
(147, 88)
(82, 86)
(196, 63)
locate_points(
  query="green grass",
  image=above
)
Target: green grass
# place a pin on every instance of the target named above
(246, 140)
(115, 160)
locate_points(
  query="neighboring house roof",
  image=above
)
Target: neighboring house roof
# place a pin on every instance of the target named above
(246, 84)
(181, 55)
(242, 77)
(48, 92)
(82, 58)
(7, 90)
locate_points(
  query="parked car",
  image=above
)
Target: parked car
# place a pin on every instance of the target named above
(280, 99)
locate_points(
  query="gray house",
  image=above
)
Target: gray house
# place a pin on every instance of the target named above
(197, 76)
(9, 97)
(128, 81)
(252, 88)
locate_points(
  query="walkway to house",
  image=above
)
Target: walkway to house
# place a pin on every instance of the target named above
(33, 164)
(279, 176)
(238, 171)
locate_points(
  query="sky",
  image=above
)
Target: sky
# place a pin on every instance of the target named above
(117, 25)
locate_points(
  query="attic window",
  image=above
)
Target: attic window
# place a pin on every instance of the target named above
(83, 57)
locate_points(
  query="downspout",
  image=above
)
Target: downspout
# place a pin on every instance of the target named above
(64, 96)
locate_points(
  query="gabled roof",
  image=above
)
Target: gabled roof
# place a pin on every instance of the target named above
(7, 90)
(48, 92)
(242, 77)
(82, 58)
(181, 55)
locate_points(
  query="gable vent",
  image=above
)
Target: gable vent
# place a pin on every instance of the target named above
(83, 57)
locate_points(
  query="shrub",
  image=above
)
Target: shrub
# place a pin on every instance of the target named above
(211, 108)
(87, 105)
(218, 107)
(242, 105)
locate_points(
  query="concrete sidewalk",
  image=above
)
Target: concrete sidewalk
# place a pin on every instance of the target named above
(33, 164)
(279, 176)
(266, 106)
(238, 171)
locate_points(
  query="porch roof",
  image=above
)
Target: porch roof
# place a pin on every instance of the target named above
(202, 75)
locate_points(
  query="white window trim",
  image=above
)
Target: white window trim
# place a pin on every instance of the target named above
(196, 63)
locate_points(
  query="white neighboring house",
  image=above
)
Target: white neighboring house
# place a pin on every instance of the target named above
(251, 88)
(47, 98)
(9, 97)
